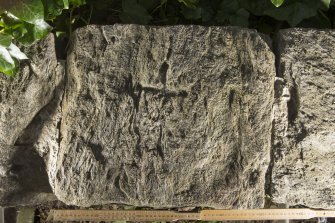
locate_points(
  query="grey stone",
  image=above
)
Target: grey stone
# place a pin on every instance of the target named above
(42, 134)
(304, 126)
(23, 178)
(28, 129)
(23, 96)
(166, 117)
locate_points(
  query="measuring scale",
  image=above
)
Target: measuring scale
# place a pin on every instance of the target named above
(205, 215)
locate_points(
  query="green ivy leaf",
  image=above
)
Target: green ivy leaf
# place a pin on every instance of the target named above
(13, 26)
(60, 34)
(326, 3)
(77, 3)
(189, 3)
(226, 10)
(54, 8)
(10, 21)
(132, 12)
(277, 3)
(17, 31)
(7, 64)
(66, 4)
(257, 7)
(230, 12)
(5, 40)
(34, 32)
(293, 13)
(16, 53)
(27, 10)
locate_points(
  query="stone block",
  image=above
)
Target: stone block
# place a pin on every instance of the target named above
(304, 127)
(23, 178)
(28, 129)
(23, 96)
(166, 117)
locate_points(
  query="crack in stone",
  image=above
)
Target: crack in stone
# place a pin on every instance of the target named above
(163, 73)
(165, 93)
(293, 103)
(159, 143)
(277, 93)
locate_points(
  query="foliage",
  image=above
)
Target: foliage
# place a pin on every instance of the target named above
(25, 21)
(277, 3)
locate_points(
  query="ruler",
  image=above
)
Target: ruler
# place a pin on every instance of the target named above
(205, 215)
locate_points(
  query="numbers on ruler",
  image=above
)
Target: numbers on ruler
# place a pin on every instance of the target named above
(115, 215)
(170, 215)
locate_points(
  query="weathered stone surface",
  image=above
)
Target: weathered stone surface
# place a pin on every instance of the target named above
(25, 128)
(166, 116)
(23, 178)
(42, 134)
(304, 125)
(22, 97)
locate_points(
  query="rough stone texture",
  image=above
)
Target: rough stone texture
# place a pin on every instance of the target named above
(22, 97)
(27, 130)
(23, 178)
(166, 116)
(304, 125)
(43, 134)
(172, 116)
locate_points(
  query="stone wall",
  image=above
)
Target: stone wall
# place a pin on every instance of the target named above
(23, 99)
(172, 117)
(304, 129)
